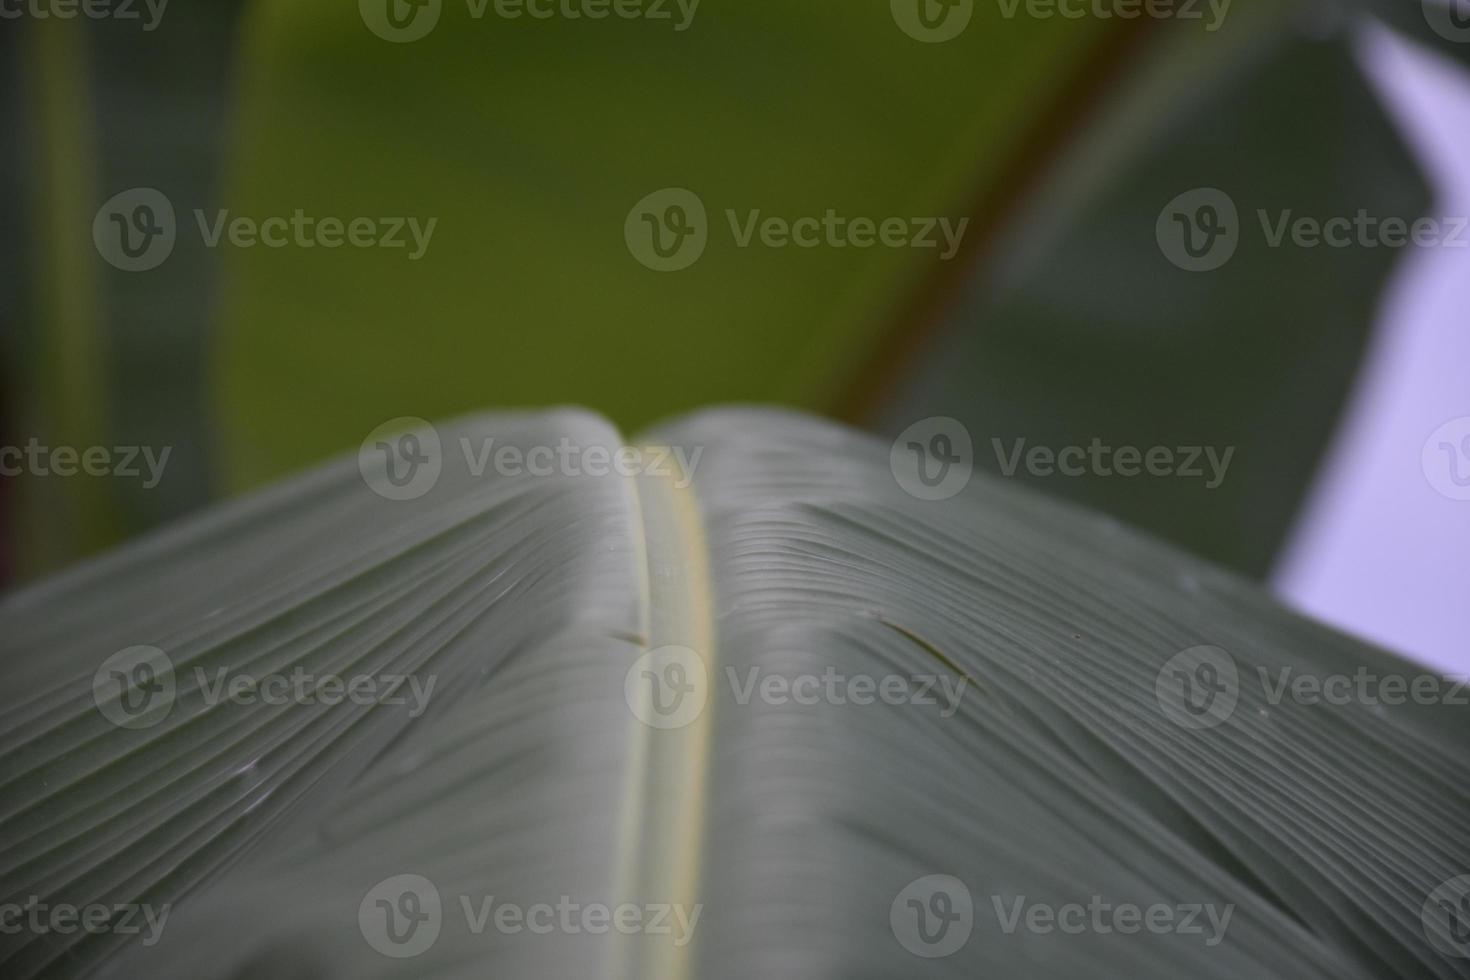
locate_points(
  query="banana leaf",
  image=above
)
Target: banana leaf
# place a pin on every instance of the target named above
(608, 711)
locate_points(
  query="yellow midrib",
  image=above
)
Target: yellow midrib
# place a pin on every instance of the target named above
(661, 839)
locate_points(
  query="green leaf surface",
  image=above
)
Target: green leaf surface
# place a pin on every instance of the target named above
(1062, 773)
(531, 141)
(1087, 331)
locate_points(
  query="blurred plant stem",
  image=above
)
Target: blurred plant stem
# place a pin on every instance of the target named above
(65, 400)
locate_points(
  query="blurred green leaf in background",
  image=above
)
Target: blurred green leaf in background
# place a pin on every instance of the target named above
(531, 150)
